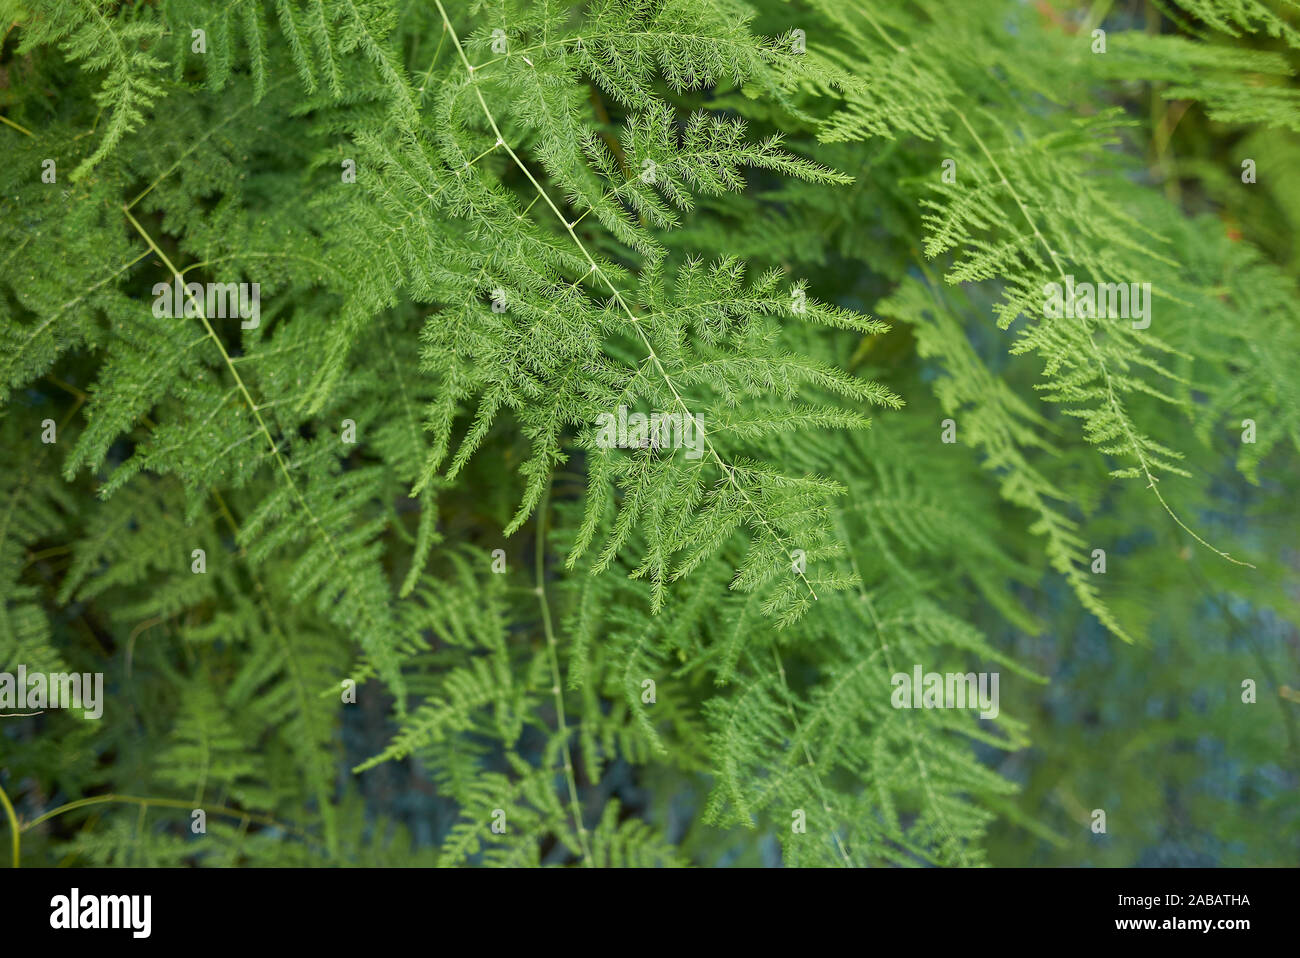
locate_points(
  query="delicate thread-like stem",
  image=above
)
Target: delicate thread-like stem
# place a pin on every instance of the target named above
(557, 689)
(13, 823)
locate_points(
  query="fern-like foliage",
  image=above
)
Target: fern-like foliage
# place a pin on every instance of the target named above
(376, 530)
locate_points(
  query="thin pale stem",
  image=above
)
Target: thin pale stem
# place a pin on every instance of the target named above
(557, 689)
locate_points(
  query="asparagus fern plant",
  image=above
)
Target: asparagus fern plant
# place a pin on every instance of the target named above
(591, 408)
